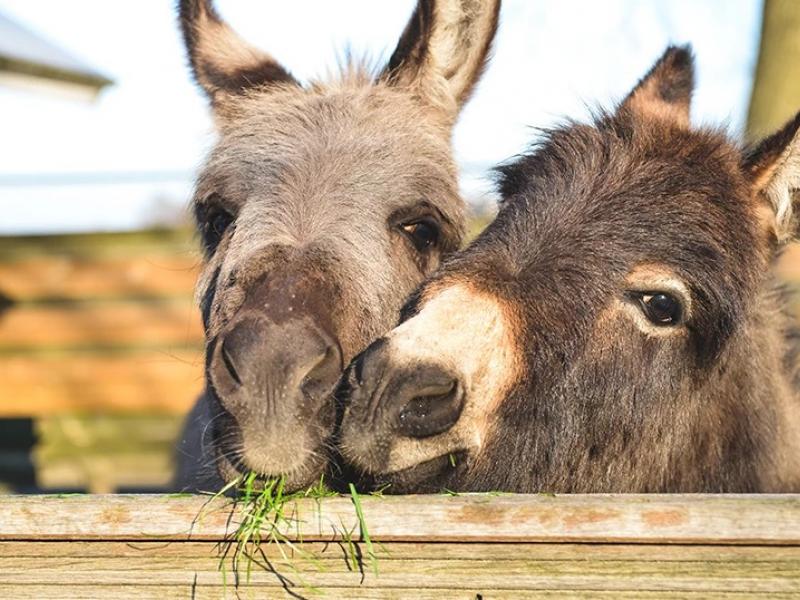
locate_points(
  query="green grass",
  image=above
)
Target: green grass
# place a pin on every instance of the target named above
(362, 525)
(266, 512)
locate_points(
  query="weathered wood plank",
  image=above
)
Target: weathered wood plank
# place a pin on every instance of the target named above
(175, 322)
(405, 566)
(186, 551)
(73, 278)
(689, 546)
(148, 381)
(422, 574)
(428, 567)
(190, 591)
(705, 519)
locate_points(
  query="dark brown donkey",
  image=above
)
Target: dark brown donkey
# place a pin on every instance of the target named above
(616, 329)
(320, 208)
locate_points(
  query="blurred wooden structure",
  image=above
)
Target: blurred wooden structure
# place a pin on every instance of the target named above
(428, 547)
(99, 322)
(101, 345)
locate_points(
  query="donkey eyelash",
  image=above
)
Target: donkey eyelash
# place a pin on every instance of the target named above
(652, 280)
(213, 221)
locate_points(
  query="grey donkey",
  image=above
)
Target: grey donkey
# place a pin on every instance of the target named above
(320, 208)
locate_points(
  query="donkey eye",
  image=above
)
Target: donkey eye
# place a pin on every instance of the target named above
(219, 222)
(423, 234)
(216, 221)
(661, 308)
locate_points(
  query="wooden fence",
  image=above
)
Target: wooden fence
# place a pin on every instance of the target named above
(469, 546)
(102, 322)
(100, 356)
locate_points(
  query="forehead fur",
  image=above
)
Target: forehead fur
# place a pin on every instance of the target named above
(591, 202)
(627, 145)
(348, 134)
(353, 92)
(632, 179)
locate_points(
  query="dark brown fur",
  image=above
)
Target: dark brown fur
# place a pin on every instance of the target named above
(600, 402)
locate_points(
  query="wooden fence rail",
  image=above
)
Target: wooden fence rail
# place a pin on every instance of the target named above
(469, 546)
(99, 323)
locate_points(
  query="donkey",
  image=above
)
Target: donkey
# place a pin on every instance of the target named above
(617, 328)
(320, 209)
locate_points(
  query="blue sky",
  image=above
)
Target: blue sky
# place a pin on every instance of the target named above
(553, 59)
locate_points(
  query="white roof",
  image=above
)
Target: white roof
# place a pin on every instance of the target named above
(24, 52)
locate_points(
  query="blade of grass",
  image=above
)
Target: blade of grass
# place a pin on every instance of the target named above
(263, 518)
(362, 524)
(351, 554)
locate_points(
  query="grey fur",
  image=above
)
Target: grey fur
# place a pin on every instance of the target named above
(319, 179)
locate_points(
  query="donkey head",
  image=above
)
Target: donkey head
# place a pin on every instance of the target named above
(320, 208)
(612, 330)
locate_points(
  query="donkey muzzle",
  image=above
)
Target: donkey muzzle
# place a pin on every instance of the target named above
(274, 383)
(415, 401)
(266, 370)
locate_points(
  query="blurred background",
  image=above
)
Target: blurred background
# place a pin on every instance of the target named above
(101, 132)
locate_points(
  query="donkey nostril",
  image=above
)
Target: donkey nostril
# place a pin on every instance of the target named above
(238, 349)
(229, 364)
(358, 370)
(434, 408)
(325, 373)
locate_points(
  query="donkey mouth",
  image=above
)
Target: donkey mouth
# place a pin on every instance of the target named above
(234, 468)
(294, 453)
(428, 477)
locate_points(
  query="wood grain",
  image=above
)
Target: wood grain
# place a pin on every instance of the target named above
(191, 591)
(189, 551)
(592, 546)
(171, 322)
(687, 519)
(489, 574)
(100, 322)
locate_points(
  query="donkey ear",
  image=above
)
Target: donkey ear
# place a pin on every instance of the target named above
(666, 91)
(773, 166)
(221, 61)
(444, 49)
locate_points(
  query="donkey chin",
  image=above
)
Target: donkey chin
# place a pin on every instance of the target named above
(298, 467)
(264, 448)
(407, 464)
